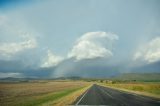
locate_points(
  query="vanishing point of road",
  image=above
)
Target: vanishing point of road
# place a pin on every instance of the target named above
(104, 96)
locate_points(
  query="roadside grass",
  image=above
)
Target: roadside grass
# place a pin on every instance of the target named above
(68, 99)
(37, 94)
(49, 97)
(148, 89)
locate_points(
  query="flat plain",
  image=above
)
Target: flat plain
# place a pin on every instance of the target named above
(39, 93)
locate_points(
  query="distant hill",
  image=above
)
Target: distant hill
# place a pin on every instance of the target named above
(123, 76)
(68, 78)
(12, 79)
(138, 76)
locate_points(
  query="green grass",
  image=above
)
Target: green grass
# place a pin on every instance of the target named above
(47, 98)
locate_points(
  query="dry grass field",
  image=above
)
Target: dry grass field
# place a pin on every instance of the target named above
(38, 93)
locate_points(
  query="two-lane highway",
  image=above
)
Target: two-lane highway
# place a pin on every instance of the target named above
(99, 95)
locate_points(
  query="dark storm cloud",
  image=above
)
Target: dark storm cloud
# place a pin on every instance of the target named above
(153, 67)
(87, 68)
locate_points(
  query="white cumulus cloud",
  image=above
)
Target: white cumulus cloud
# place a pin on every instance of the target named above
(14, 37)
(51, 60)
(9, 49)
(150, 52)
(92, 45)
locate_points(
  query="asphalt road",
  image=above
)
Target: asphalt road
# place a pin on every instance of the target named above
(99, 95)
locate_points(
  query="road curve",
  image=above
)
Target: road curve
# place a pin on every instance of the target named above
(99, 95)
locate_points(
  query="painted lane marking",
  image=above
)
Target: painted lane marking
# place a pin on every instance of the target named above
(112, 96)
(83, 96)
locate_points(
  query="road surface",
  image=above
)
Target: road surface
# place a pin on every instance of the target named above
(99, 95)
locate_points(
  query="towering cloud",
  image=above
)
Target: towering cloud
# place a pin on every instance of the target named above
(92, 45)
(150, 52)
(51, 60)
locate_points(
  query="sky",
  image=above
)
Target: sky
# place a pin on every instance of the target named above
(86, 38)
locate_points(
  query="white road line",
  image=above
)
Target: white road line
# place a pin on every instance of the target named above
(82, 96)
(111, 96)
(106, 93)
